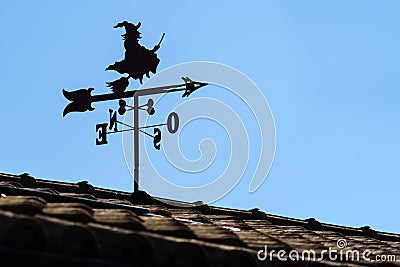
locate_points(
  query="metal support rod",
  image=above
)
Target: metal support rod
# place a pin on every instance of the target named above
(136, 143)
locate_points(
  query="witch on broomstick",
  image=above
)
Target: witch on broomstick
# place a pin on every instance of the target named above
(138, 61)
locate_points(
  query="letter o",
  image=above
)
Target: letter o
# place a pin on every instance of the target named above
(173, 122)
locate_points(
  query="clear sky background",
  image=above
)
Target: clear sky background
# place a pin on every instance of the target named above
(329, 70)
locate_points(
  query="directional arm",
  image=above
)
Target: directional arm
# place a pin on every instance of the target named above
(81, 100)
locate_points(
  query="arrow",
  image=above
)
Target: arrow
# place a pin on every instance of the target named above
(82, 99)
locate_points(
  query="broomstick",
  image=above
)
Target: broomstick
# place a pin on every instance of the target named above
(156, 47)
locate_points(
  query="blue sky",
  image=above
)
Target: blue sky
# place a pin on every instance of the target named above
(329, 70)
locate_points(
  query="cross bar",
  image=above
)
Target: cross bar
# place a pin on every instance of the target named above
(81, 100)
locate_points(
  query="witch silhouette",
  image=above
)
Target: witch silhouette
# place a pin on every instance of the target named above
(138, 61)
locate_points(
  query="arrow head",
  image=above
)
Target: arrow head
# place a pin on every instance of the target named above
(191, 87)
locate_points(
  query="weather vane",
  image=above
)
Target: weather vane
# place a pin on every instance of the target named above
(138, 61)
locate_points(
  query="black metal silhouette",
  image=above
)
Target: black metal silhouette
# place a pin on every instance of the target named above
(138, 61)
(82, 99)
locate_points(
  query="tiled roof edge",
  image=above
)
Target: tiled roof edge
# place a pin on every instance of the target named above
(311, 223)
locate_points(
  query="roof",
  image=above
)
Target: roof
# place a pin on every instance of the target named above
(58, 224)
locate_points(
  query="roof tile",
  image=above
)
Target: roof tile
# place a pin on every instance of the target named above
(71, 211)
(21, 231)
(167, 225)
(119, 217)
(22, 204)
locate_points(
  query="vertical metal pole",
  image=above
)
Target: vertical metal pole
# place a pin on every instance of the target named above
(136, 142)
